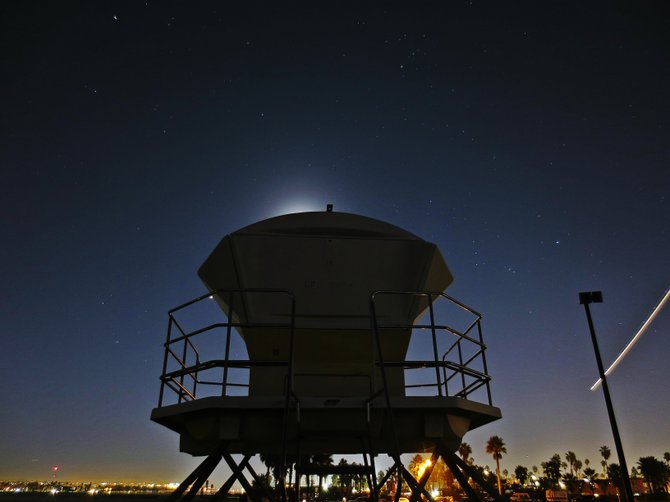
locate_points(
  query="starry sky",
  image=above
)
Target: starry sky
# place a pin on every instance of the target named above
(528, 140)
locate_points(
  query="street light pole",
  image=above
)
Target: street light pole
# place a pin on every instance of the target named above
(586, 298)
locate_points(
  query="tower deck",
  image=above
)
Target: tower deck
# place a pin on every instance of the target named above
(435, 398)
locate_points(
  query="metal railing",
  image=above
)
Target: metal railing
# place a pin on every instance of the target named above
(181, 351)
(461, 369)
(457, 356)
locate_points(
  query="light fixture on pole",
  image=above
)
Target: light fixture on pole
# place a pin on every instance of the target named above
(586, 298)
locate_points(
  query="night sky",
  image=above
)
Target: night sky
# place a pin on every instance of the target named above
(530, 141)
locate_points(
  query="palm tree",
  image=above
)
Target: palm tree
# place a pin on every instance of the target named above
(343, 481)
(590, 474)
(322, 460)
(521, 474)
(495, 447)
(266, 459)
(605, 452)
(272, 462)
(415, 464)
(552, 469)
(655, 472)
(666, 457)
(578, 467)
(614, 474)
(441, 475)
(571, 458)
(465, 450)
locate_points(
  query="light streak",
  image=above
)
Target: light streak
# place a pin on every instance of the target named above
(637, 336)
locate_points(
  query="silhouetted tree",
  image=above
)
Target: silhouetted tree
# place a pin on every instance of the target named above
(573, 485)
(465, 450)
(605, 452)
(614, 474)
(322, 460)
(495, 447)
(590, 474)
(415, 464)
(521, 473)
(272, 463)
(342, 481)
(552, 469)
(571, 458)
(655, 472)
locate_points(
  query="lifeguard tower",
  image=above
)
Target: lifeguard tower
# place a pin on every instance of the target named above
(331, 338)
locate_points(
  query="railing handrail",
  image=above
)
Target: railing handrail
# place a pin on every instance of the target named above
(462, 368)
(229, 290)
(446, 370)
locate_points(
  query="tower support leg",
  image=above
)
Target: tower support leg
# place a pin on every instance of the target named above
(459, 468)
(238, 475)
(197, 478)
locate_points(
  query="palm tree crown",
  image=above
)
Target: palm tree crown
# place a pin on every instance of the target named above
(465, 450)
(495, 447)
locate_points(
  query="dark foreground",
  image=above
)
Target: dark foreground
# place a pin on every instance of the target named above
(85, 497)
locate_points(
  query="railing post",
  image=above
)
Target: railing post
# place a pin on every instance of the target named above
(484, 366)
(183, 364)
(165, 361)
(287, 402)
(460, 363)
(435, 355)
(227, 352)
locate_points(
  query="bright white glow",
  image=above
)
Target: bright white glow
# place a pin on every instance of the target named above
(637, 336)
(561, 484)
(435, 493)
(298, 205)
(422, 468)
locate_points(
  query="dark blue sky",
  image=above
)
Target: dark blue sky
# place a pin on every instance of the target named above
(529, 140)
